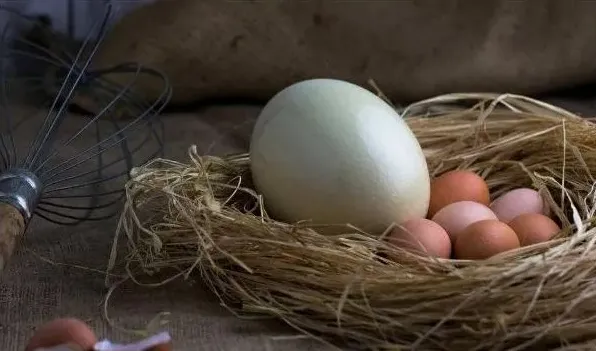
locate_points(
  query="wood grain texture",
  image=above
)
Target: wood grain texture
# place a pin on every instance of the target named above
(12, 226)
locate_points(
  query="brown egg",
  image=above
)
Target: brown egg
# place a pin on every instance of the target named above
(484, 239)
(457, 186)
(63, 331)
(161, 347)
(423, 237)
(534, 228)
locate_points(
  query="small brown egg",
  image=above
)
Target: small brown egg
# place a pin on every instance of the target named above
(423, 237)
(518, 201)
(457, 216)
(484, 239)
(162, 347)
(534, 228)
(456, 186)
(60, 332)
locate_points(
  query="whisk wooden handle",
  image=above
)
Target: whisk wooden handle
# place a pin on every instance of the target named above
(12, 226)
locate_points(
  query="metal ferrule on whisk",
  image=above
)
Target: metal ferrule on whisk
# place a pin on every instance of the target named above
(21, 189)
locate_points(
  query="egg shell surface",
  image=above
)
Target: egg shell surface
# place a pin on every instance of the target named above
(454, 218)
(60, 332)
(422, 236)
(484, 239)
(534, 228)
(455, 186)
(517, 202)
(332, 152)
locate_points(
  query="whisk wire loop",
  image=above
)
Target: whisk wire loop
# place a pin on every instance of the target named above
(80, 161)
(54, 118)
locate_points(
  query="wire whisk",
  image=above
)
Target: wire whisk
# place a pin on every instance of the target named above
(56, 164)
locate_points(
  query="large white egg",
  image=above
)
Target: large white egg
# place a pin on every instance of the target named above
(332, 152)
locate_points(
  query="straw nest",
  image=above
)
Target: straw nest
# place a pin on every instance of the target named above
(204, 219)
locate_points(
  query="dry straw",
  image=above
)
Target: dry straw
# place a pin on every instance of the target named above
(203, 219)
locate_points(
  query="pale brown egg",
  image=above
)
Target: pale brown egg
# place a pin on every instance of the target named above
(457, 216)
(534, 228)
(456, 186)
(518, 201)
(485, 239)
(423, 237)
(60, 332)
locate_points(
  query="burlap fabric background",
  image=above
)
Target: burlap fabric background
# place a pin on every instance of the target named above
(44, 282)
(411, 48)
(33, 290)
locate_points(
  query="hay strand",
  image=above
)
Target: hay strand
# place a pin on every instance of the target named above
(203, 219)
